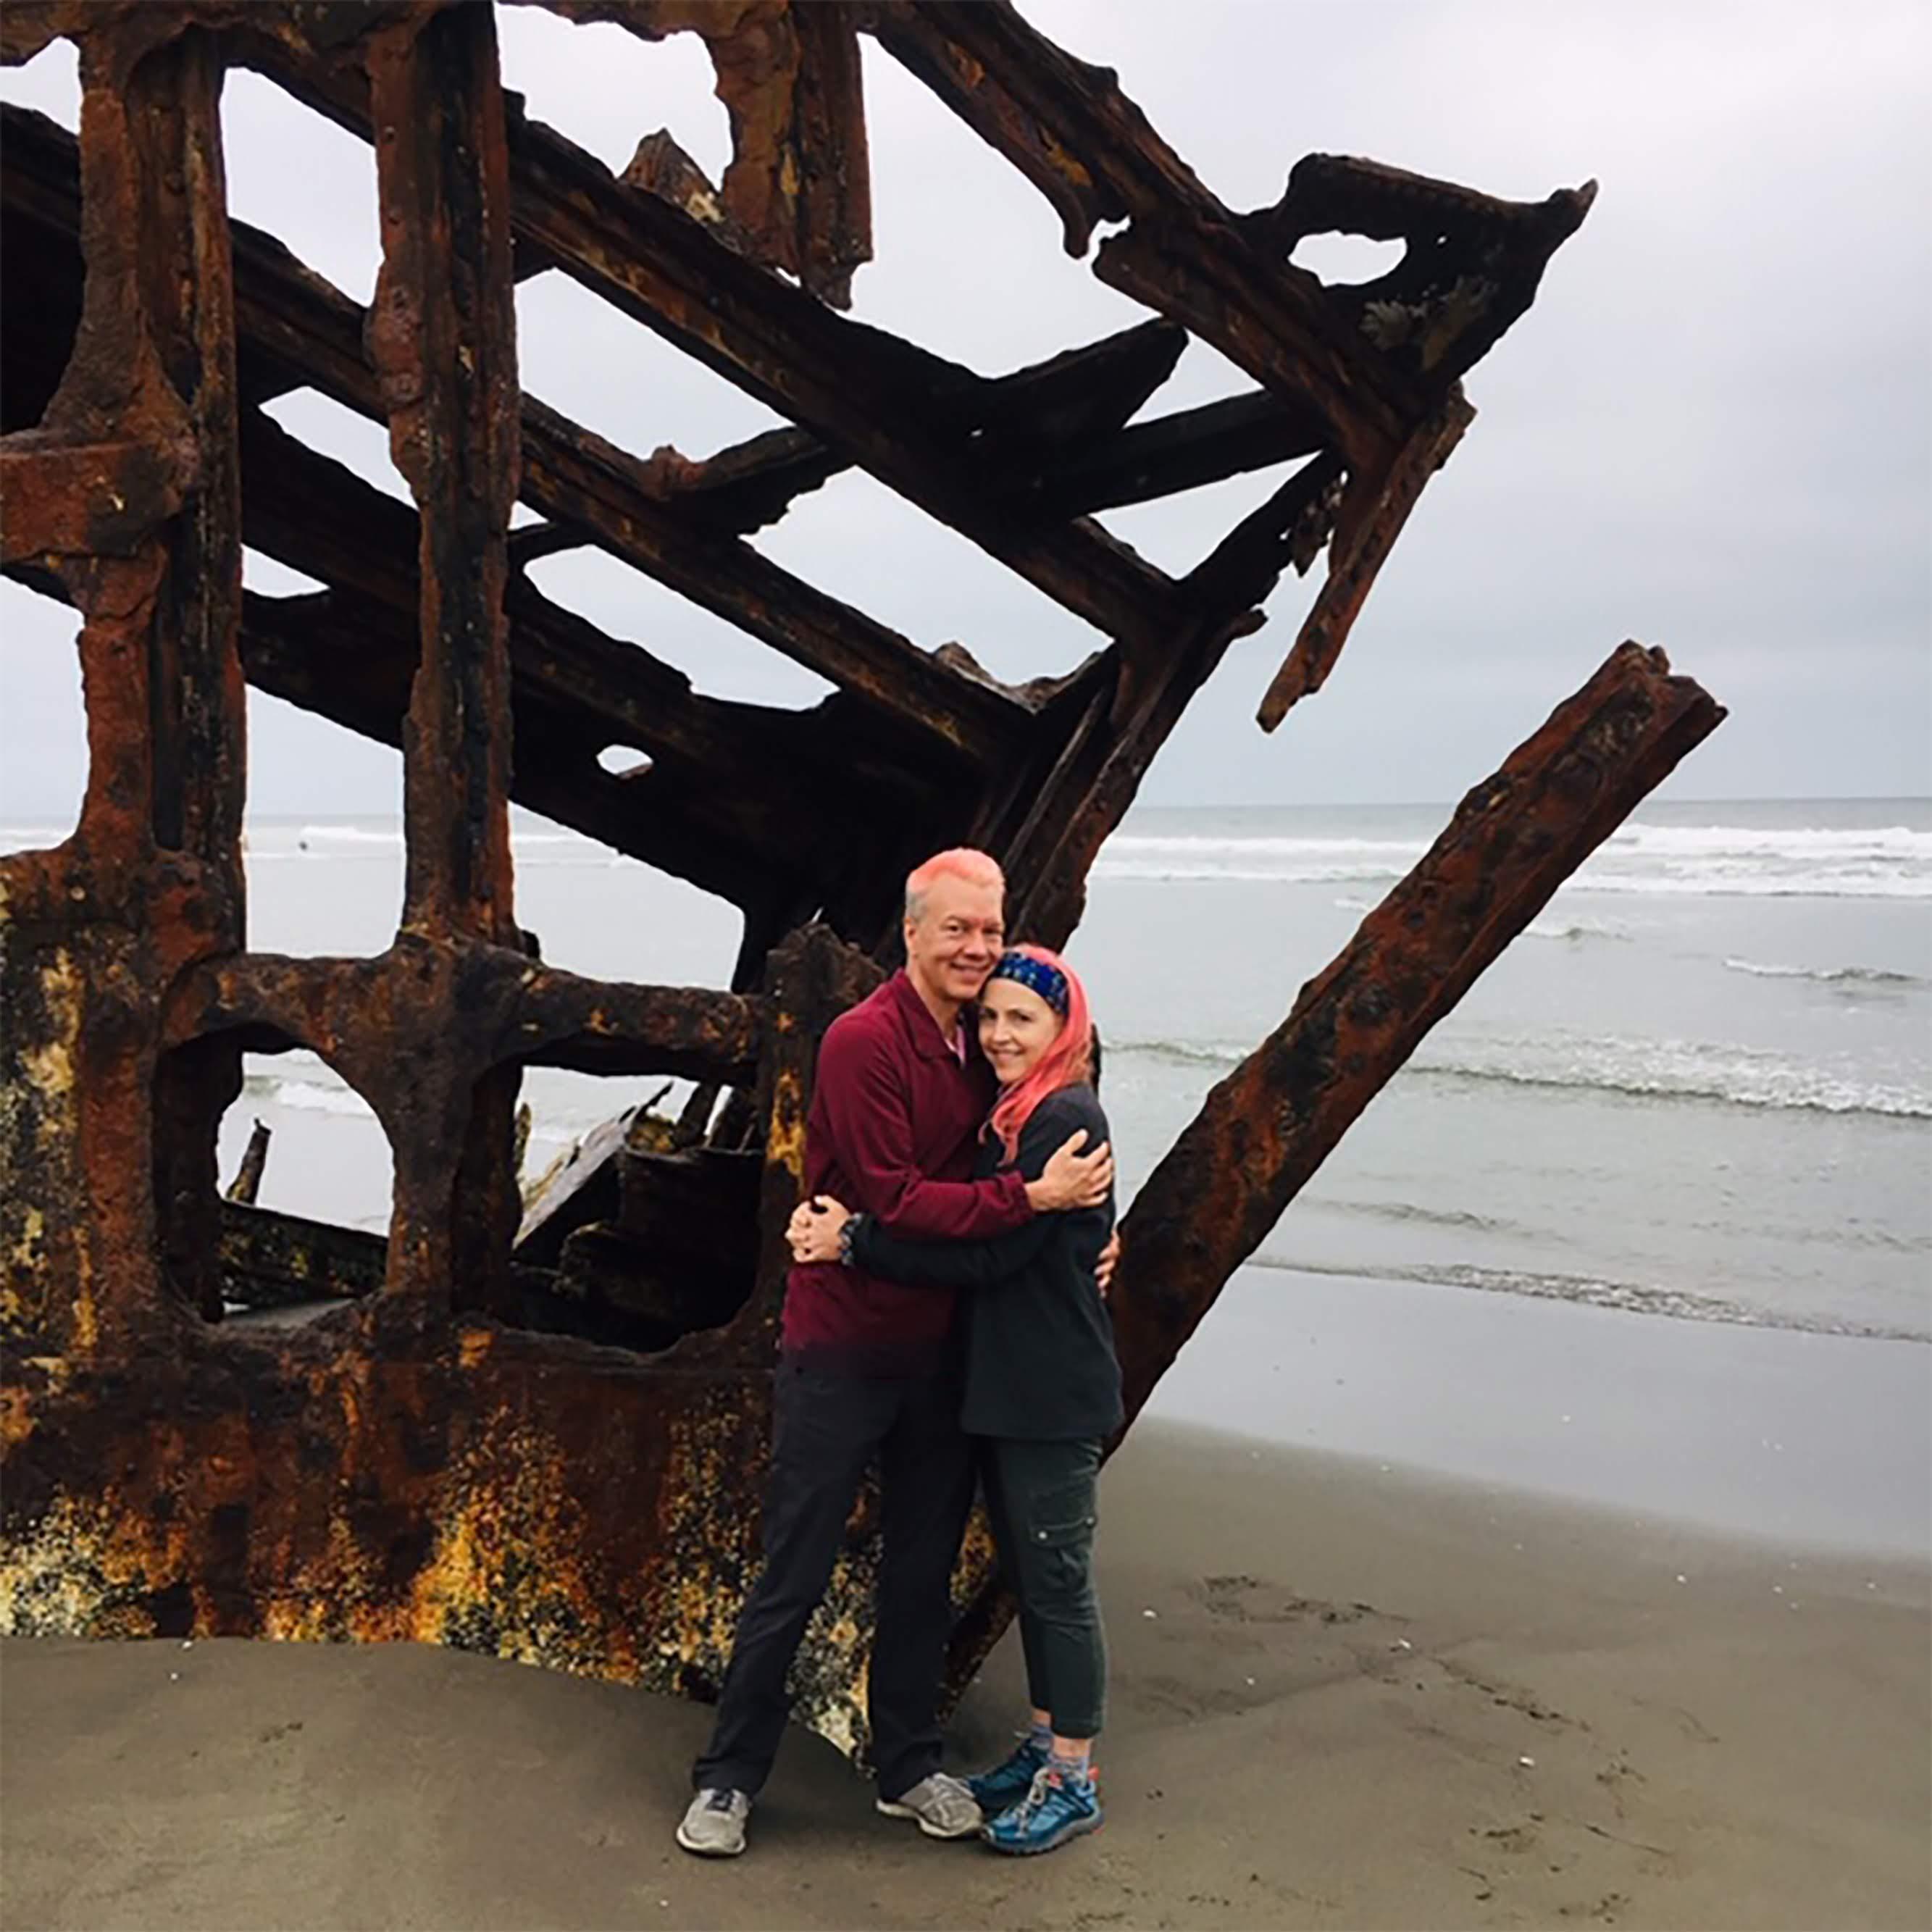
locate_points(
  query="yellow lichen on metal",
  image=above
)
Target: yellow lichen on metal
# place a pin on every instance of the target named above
(48, 1064)
(706, 1448)
(81, 1569)
(785, 1143)
(505, 1574)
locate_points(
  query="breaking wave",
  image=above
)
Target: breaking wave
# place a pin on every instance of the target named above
(313, 1089)
(1642, 1069)
(1887, 862)
(1829, 976)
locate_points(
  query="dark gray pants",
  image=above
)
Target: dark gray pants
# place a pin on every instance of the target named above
(825, 1428)
(1041, 1496)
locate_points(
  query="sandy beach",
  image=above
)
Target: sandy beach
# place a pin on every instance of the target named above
(1343, 1695)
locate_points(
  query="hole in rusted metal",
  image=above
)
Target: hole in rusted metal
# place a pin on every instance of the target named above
(1346, 261)
(49, 83)
(595, 910)
(581, 356)
(870, 548)
(358, 442)
(605, 87)
(624, 761)
(717, 658)
(43, 720)
(313, 1227)
(323, 851)
(934, 181)
(308, 182)
(628, 1238)
(271, 578)
(1178, 531)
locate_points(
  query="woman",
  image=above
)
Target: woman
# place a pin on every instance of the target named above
(1043, 1386)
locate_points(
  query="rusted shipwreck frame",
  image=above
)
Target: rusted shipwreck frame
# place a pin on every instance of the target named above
(552, 1450)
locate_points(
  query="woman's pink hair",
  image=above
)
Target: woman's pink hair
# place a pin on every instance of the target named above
(1067, 1062)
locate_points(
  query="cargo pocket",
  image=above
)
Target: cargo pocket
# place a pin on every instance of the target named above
(1059, 1532)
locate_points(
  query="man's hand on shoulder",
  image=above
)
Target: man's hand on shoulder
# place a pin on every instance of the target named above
(1072, 1178)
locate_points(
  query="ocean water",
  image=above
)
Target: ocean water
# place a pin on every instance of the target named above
(1700, 1086)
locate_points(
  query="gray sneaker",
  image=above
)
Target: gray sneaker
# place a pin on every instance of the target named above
(943, 1805)
(714, 1827)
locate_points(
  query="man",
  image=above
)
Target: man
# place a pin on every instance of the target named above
(864, 1368)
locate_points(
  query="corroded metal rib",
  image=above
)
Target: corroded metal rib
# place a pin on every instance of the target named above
(1266, 1128)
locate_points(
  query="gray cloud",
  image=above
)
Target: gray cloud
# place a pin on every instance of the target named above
(1710, 432)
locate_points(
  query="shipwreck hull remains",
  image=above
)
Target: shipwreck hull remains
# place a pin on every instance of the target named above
(436, 1459)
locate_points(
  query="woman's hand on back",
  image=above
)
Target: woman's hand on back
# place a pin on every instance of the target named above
(814, 1228)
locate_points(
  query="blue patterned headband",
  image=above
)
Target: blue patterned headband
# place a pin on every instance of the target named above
(1048, 982)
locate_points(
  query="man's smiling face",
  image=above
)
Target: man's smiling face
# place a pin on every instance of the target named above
(954, 938)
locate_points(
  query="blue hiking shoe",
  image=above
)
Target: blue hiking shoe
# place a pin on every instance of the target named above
(1007, 1783)
(1055, 1808)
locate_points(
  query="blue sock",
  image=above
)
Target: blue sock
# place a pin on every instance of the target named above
(1040, 1736)
(1076, 1771)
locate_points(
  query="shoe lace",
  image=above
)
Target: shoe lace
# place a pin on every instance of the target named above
(1044, 1783)
(720, 1801)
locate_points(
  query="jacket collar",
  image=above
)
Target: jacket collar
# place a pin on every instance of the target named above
(928, 1042)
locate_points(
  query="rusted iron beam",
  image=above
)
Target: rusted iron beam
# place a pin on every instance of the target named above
(1180, 451)
(581, 479)
(1086, 794)
(154, 880)
(1471, 265)
(1046, 414)
(1378, 367)
(798, 186)
(441, 336)
(783, 788)
(1368, 516)
(273, 1260)
(346, 663)
(855, 387)
(1266, 1128)
(1068, 128)
(297, 329)
(514, 1010)
(89, 498)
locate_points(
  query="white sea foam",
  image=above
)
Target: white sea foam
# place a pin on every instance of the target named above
(1636, 1070)
(307, 1084)
(1887, 862)
(1574, 929)
(1849, 977)
(389, 837)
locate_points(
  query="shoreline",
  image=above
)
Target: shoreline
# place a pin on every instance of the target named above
(1779, 1435)
(1340, 1698)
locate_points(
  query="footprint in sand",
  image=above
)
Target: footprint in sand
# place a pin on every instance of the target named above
(1248, 1600)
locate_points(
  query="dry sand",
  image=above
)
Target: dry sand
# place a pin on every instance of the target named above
(1342, 1696)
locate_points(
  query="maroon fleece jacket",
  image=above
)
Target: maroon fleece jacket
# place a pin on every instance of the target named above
(894, 1117)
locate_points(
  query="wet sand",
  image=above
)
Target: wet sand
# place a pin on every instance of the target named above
(1343, 1695)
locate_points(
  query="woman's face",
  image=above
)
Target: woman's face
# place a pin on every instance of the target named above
(1016, 1026)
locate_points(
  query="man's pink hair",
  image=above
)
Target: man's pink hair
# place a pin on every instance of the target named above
(1067, 1062)
(960, 861)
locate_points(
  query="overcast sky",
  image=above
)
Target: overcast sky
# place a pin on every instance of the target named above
(1712, 432)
